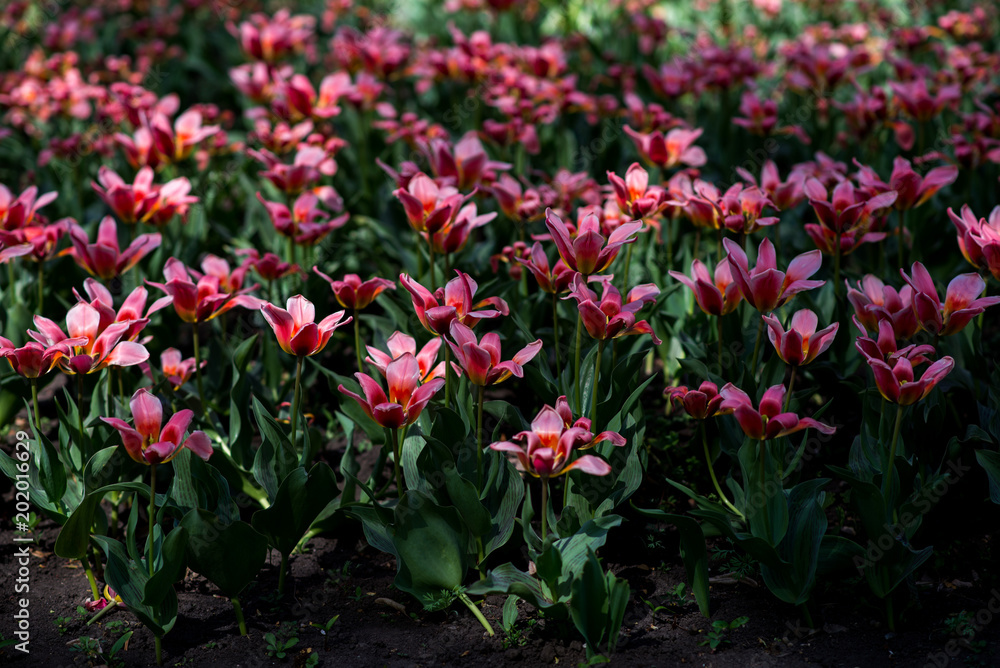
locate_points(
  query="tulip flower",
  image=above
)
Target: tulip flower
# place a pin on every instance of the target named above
(979, 239)
(454, 235)
(298, 334)
(131, 310)
(310, 164)
(454, 301)
(784, 194)
(268, 266)
(400, 344)
(176, 143)
(482, 361)
(35, 359)
(149, 443)
(875, 301)
(548, 451)
(19, 212)
(634, 195)
(304, 223)
(105, 259)
(566, 413)
(589, 252)
(960, 306)
(401, 408)
(517, 203)
(355, 294)
(768, 422)
(91, 348)
(884, 348)
(466, 164)
(551, 279)
(670, 151)
(801, 344)
(716, 295)
(176, 369)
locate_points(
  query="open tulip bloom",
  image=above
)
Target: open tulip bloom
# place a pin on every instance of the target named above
(104, 258)
(801, 344)
(589, 252)
(962, 302)
(875, 301)
(716, 295)
(400, 344)
(768, 421)
(979, 239)
(91, 347)
(355, 294)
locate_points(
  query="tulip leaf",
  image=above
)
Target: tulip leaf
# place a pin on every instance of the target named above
(275, 457)
(502, 496)
(990, 461)
(172, 565)
(694, 553)
(228, 555)
(52, 475)
(431, 542)
(240, 430)
(75, 535)
(129, 579)
(299, 499)
(103, 466)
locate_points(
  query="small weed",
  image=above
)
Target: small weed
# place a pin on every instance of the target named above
(720, 630)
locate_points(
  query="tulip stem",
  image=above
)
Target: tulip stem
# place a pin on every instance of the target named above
(11, 280)
(430, 259)
(555, 329)
(295, 398)
(103, 612)
(357, 342)
(447, 374)
(887, 474)
(718, 244)
(91, 579)
(628, 264)
(836, 272)
(475, 611)
(545, 507)
(397, 463)
(34, 404)
(152, 516)
(719, 342)
(479, 435)
(576, 366)
(79, 406)
(282, 568)
(791, 386)
(41, 285)
(239, 615)
(756, 345)
(711, 472)
(593, 392)
(197, 369)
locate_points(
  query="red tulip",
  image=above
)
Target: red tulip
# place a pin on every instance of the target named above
(634, 195)
(400, 344)
(765, 287)
(268, 266)
(466, 164)
(482, 360)
(452, 302)
(177, 143)
(608, 318)
(272, 38)
(131, 310)
(716, 296)
(700, 404)
(453, 236)
(550, 446)
(19, 212)
(428, 207)
(353, 293)
(960, 306)
(919, 103)
(91, 349)
(202, 301)
(914, 189)
(670, 151)
(801, 344)
(847, 209)
(744, 207)
(104, 258)
(553, 280)
(768, 422)
(407, 396)
(588, 253)
(896, 383)
(296, 330)
(311, 163)
(885, 349)
(875, 301)
(33, 360)
(148, 442)
(517, 203)
(306, 223)
(979, 240)
(785, 195)
(176, 369)
(38, 242)
(566, 413)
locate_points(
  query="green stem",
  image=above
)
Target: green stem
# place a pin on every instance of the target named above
(158, 642)
(628, 265)
(756, 345)
(397, 463)
(430, 259)
(239, 615)
(152, 517)
(357, 342)
(295, 398)
(11, 280)
(475, 611)
(576, 364)
(836, 271)
(718, 243)
(594, 392)
(283, 567)
(887, 474)
(447, 374)
(545, 507)
(902, 236)
(555, 329)
(479, 435)
(34, 404)
(41, 286)
(95, 592)
(791, 386)
(79, 406)
(711, 472)
(197, 369)
(765, 520)
(103, 612)
(719, 327)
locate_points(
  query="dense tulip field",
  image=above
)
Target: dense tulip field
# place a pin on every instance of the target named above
(417, 333)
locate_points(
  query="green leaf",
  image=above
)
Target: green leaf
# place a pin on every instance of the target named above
(74, 538)
(276, 457)
(240, 432)
(431, 543)
(129, 578)
(299, 499)
(229, 556)
(50, 469)
(990, 461)
(172, 565)
(694, 553)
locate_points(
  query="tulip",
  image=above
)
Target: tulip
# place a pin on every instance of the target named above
(884, 349)
(517, 203)
(454, 235)
(466, 164)
(298, 334)
(876, 301)
(670, 151)
(19, 212)
(302, 224)
(401, 408)
(549, 451)
(960, 306)
(767, 422)
(801, 344)
(634, 195)
(176, 143)
(566, 413)
(400, 344)
(176, 369)
(310, 164)
(454, 301)
(131, 310)
(354, 294)
(91, 348)
(979, 239)
(551, 279)
(37, 242)
(104, 258)
(268, 266)
(429, 208)
(716, 295)
(589, 252)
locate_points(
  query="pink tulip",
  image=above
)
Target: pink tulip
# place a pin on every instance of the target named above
(876, 301)
(960, 306)
(552, 279)
(718, 295)
(33, 360)
(178, 142)
(482, 360)
(428, 207)
(204, 300)
(848, 208)
(454, 301)
(19, 212)
(104, 258)
(608, 318)
(700, 404)
(588, 253)
(979, 239)
(147, 442)
(884, 348)
(407, 396)
(131, 311)
(765, 287)
(400, 344)
(674, 149)
(896, 383)
(353, 293)
(91, 348)
(801, 344)
(296, 330)
(634, 195)
(768, 422)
